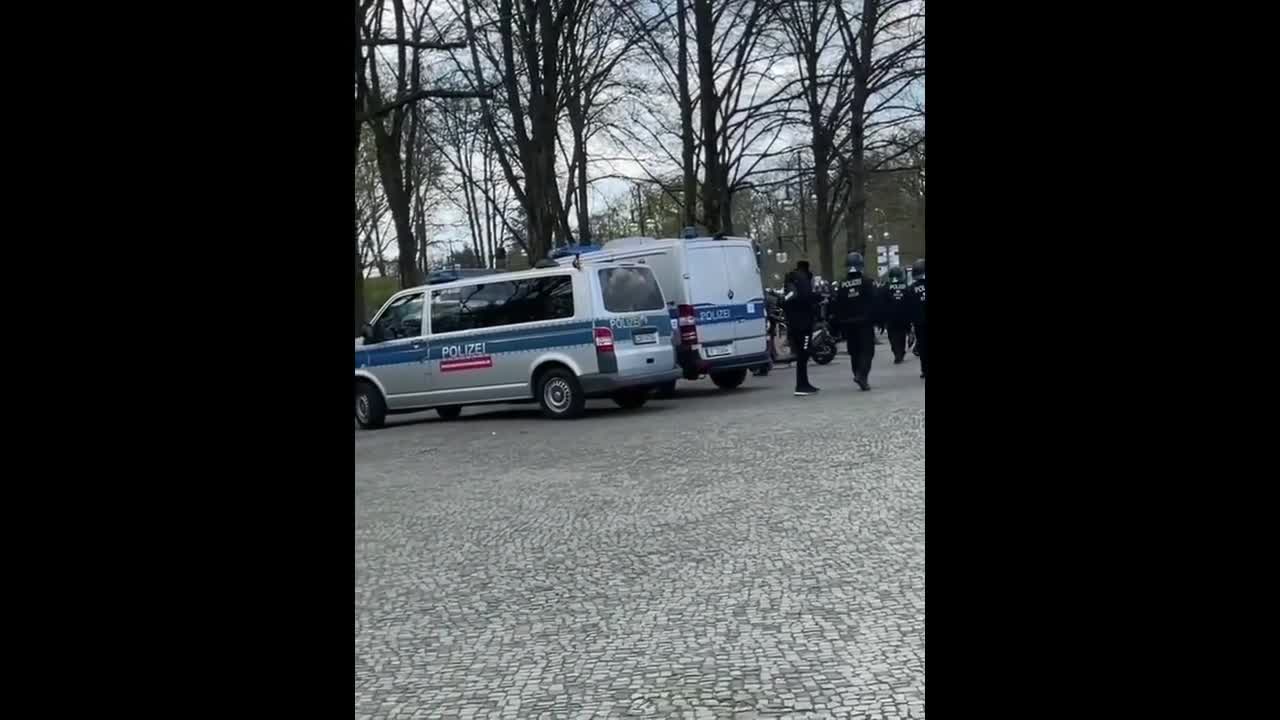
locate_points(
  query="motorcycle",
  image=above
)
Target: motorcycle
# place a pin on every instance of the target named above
(775, 328)
(822, 343)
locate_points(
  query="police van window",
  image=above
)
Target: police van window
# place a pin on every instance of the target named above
(402, 318)
(630, 290)
(502, 303)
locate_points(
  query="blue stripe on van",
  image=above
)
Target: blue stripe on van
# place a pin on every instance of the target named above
(540, 338)
(652, 321)
(709, 314)
(495, 342)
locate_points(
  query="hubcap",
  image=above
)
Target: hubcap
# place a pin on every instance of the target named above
(362, 407)
(557, 394)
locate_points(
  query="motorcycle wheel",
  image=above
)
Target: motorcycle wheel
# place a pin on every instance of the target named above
(823, 352)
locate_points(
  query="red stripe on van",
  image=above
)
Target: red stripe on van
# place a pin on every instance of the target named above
(471, 363)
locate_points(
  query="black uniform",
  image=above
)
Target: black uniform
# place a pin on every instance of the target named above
(896, 309)
(855, 309)
(921, 323)
(798, 304)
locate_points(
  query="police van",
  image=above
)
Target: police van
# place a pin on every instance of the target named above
(556, 335)
(715, 301)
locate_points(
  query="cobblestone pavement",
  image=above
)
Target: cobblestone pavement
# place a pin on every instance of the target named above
(717, 555)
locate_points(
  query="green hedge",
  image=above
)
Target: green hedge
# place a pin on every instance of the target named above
(376, 292)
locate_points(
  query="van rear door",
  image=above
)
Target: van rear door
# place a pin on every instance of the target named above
(747, 291)
(709, 293)
(636, 313)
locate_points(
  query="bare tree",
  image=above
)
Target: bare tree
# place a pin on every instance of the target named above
(397, 146)
(530, 62)
(826, 87)
(388, 127)
(361, 11)
(655, 35)
(371, 209)
(478, 192)
(739, 99)
(594, 45)
(689, 177)
(886, 48)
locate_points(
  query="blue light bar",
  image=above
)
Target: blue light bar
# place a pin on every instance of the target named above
(568, 250)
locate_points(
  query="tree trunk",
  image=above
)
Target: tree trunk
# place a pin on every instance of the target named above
(420, 234)
(855, 217)
(580, 153)
(855, 214)
(398, 202)
(359, 107)
(824, 230)
(712, 192)
(689, 213)
(726, 209)
(801, 196)
(355, 234)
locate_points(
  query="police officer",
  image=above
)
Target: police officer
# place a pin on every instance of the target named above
(896, 316)
(798, 302)
(855, 311)
(918, 316)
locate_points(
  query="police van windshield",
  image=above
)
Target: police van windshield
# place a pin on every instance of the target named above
(630, 290)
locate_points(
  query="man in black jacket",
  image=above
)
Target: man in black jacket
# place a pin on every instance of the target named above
(918, 316)
(855, 309)
(897, 312)
(798, 304)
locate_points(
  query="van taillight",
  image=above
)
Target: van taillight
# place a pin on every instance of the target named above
(604, 340)
(687, 321)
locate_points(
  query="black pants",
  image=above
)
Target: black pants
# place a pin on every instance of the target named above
(798, 335)
(898, 340)
(861, 339)
(922, 344)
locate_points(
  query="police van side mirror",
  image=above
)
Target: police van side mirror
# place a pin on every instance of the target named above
(366, 333)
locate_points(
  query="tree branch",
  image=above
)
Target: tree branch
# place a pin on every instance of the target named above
(422, 95)
(418, 44)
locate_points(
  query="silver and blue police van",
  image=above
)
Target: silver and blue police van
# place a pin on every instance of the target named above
(715, 298)
(553, 335)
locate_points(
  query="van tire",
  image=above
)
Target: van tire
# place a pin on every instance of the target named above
(631, 398)
(729, 379)
(560, 394)
(371, 409)
(450, 412)
(666, 389)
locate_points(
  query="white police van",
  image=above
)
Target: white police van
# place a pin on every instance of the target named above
(715, 299)
(555, 335)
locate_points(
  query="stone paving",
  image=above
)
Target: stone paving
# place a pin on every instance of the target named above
(717, 555)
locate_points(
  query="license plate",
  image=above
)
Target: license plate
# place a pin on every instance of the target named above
(719, 350)
(648, 338)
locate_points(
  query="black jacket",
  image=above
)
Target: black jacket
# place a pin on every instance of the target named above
(917, 302)
(799, 300)
(854, 301)
(895, 303)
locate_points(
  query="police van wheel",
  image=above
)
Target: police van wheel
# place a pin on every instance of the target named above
(449, 413)
(560, 395)
(371, 409)
(631, 398)
(729, 379)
